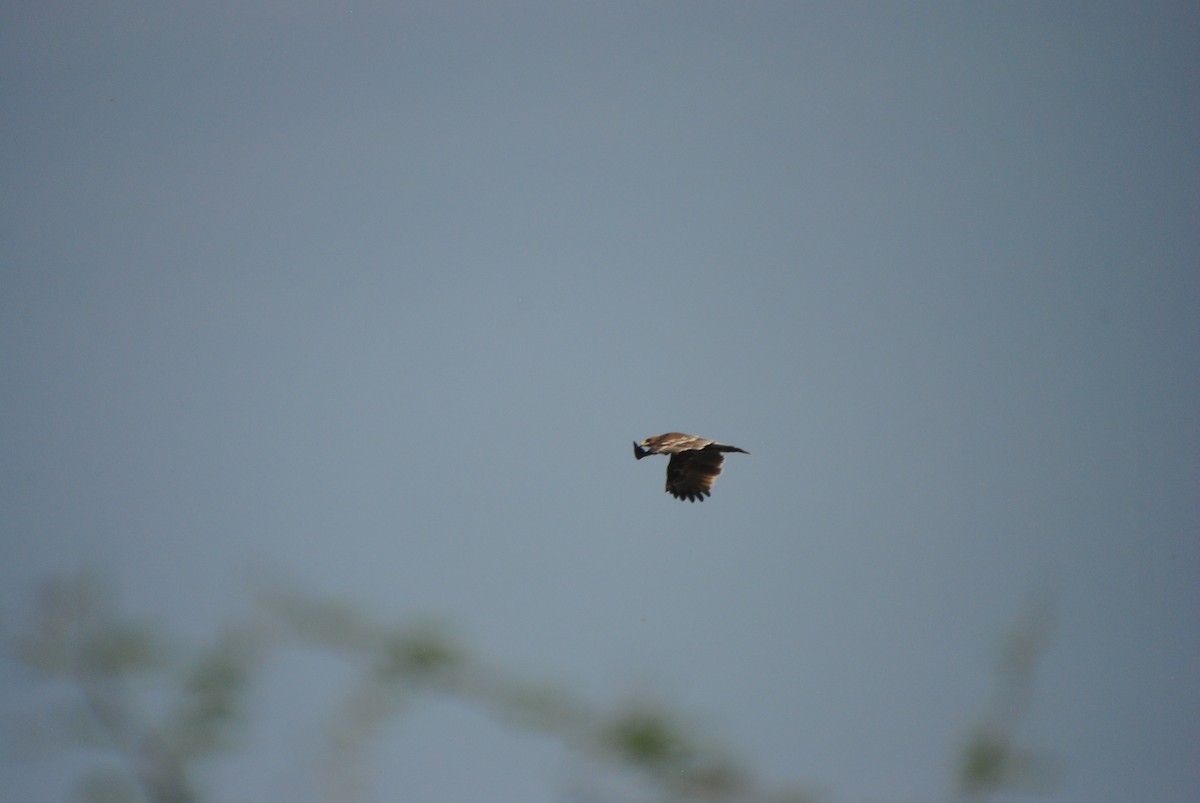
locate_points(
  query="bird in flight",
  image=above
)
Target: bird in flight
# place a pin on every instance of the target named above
(695, 462)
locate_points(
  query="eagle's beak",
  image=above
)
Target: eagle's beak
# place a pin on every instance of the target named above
(638, 451)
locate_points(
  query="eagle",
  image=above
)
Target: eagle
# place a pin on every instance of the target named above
(695, 462)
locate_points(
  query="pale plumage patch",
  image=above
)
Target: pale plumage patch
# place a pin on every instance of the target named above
(694, 466)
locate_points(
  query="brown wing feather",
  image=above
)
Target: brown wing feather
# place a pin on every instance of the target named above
(690, 475)
(675, 442)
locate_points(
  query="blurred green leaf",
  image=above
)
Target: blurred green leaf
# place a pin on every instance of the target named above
(991, 763)
(985, 763)
(324, 623)
(418, 654)
(211, 702)
(648, 739)
(119, 648)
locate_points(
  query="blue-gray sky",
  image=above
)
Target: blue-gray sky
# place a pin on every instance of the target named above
(377, 295)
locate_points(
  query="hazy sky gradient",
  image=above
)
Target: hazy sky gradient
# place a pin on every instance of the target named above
(376, 295)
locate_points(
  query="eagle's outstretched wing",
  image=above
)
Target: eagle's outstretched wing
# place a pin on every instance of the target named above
(690, 475)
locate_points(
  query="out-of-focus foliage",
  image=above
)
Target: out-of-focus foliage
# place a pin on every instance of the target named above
(650, 740)
(108, 669)
(418, 655)
(991, 759)
(77, 636)
(74, 628)
(208, 707)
